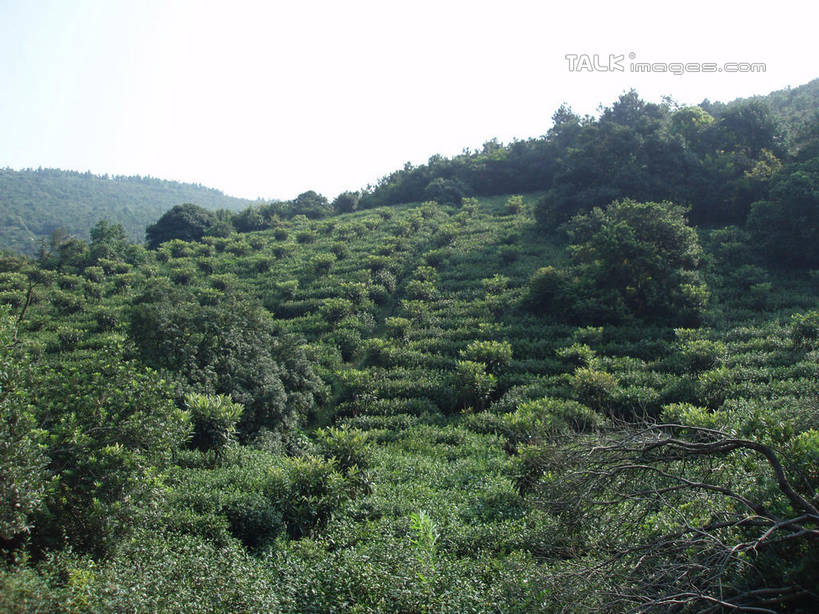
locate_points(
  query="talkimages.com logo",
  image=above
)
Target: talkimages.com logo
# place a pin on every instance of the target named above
(585, 62)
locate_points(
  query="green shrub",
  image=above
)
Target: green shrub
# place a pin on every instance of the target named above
(421, 290)
(496, 284)
(339, 250)
(305, 236)
(805, 329)
(214, 420)
(321, 263)
(334, 310)
(397, 327)
(590, 335)
(348, 341)
(697, 355)
(514, 204)
(547, 289)
(446, 191)
(106, 320)
(577, 355)
(348, 447)
(594, 388)
(549, 419)
(473, 384)
(494, 355)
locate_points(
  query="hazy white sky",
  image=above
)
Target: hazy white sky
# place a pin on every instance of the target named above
(269, 99)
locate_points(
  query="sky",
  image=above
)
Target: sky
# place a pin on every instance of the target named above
(270, 99)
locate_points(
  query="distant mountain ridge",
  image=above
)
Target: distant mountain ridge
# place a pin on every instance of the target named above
(33, 203)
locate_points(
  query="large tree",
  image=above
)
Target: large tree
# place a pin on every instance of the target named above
(228, 348)
(787, 226)
(187, 222)
(630, 259)
(641, 256)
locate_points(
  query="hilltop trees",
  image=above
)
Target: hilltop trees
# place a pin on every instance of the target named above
(36, 202)
(346, 202)
(786, 227)
(313, 205)
(187, 222)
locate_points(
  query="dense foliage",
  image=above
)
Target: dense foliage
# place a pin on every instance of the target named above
(628, 260)
(427, 406)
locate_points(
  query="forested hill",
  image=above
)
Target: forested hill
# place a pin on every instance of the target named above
(33, 203)
(709, 157)
(794, 107)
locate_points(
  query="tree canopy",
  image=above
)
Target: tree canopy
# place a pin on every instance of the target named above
(629, 259)
(186, 222)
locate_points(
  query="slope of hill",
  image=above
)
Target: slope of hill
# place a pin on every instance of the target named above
(33, 203)
(512, 403)
(466, 452)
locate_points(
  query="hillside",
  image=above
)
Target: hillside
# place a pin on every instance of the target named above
(33, 203)
(597, 396)
(436, 460)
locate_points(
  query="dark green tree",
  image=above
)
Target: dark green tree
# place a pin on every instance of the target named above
(632, 259)
(187, 222)
(24, 478)
(107, 241)
(346, 202)
(786, 227)
(311, 204)
(228, 347)
(248, 220)
(446, 191)
(109, 422)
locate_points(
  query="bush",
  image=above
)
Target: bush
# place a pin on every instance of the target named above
(421, 290)
(106, 320)
(305, 236)
(473, 384)
(214, 420)
(549, 419)
(122, 425)
(805, 329)
(494, 355)
(229, 348)
(641, 257)
(348, 447)
(594, 388)
(348, 341)
(339, 250)
(321, 263)
(698, 355)
(186, 222)
(346, 202)
(333, 310)
(397, 327)
(548, 290)
(578, 355)
(24, 480)
(514, 205)
(785, 228)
